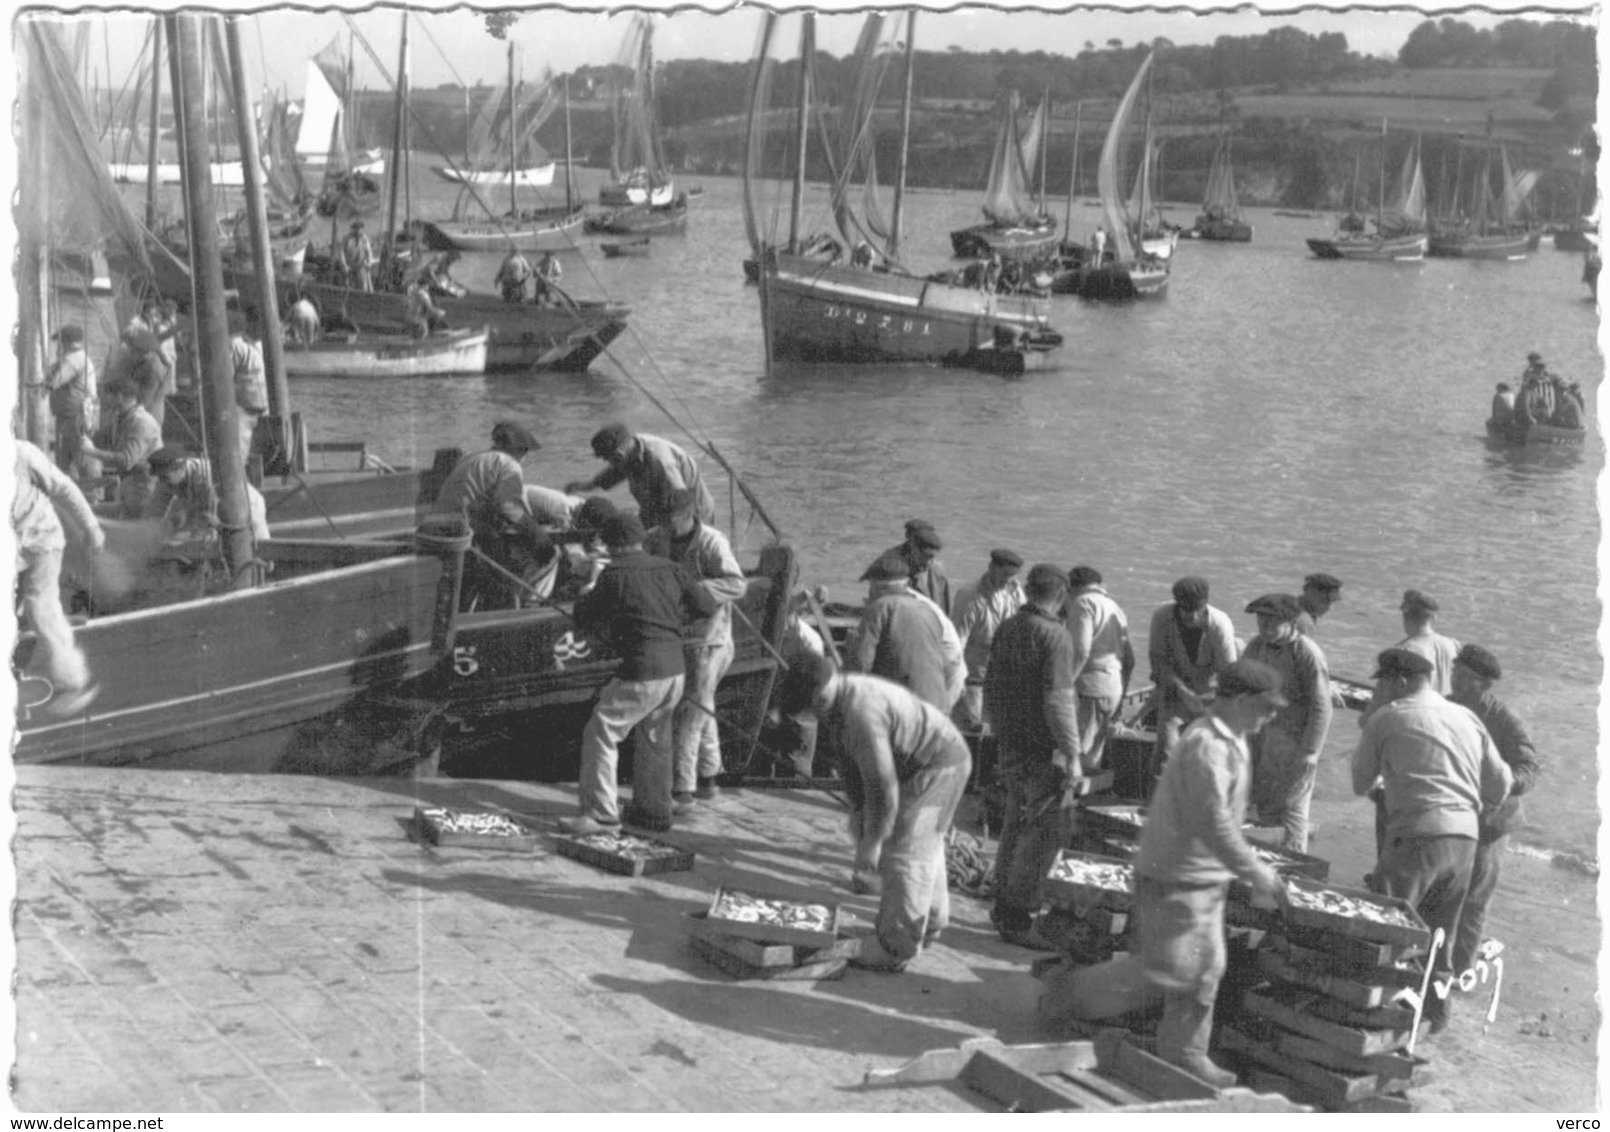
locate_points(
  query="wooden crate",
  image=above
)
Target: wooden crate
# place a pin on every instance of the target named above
(1081, 895)
(717, 951)
(759, 954)
(1396, 1066)
(1327, 1086)
(1114, 819)
(1295, 1010)
(1411, 931)
(1356, 953)
(1354, 992)
(624, 863)
(1367, 963)
(431, 824)
(772, 933)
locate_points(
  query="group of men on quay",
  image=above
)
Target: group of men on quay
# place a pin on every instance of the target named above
(1040, 665)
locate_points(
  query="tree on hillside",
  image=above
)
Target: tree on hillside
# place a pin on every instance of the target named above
(499, 23)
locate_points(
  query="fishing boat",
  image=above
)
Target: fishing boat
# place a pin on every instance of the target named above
(1493, 229)
(816, 310)
(1400, 234)
(1221, 206)
(1016, 226)
(643, 219)
(1154, 237)
(453, 354)
(1531, 433)
(638, 171)
(504, 127)
(1127, 270)
(327, 113)
(637, 247)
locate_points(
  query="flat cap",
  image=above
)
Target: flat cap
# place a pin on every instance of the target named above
(1324, 583)
(1534, 357)
(889, 568)
(922, 532)
(1251, 678)
(1083, 576)
(1004, 557)
(1416, 602)
(512, 435)
(1479, 661)
(804, 679)
(622, 530)
(1283, 606)
(70, 334)
(1047, 579)
(1401, 662)
(1191, 592)
(594, 512)
(166, 457)
(611, 439)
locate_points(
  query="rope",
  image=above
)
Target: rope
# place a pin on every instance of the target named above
(967, 867)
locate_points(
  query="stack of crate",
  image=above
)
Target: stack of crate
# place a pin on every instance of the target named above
(1089, 898)
(1324, 1019)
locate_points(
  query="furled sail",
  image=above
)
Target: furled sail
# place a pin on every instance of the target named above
(1007, 198)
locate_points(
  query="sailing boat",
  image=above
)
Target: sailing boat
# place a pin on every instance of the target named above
(641, 192)
(1400, 234)
(1221, 207)
(1127, 270)
(1156, 236)
(1016, 227)
(1494, 230)
(326, 107)
(816, 311)
(495, 153)
(544, 229)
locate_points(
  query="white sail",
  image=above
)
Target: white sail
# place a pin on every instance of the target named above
(1112, 201)
(321, 106)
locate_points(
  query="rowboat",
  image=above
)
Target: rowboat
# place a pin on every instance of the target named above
(644, 219)
(457, 353)
(531, 230)
(637, 247)
(1531, 433)
(526, 177)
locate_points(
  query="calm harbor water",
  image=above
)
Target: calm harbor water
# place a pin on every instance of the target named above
(1274, 415)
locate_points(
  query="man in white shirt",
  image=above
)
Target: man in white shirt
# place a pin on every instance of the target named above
(1102, 661)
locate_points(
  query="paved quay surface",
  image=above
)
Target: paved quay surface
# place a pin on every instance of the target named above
(194, 943)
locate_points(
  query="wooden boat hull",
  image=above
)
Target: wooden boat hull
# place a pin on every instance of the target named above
(1571, 240)
(638, 247)
(1160, 245)
(829, 313)
(1506, 246)
(530, 177)
(1398, 249)
(522, 335)
(1513, 432)
(1220, 228)
(643, 220)
(544, 235)
(248, 680)
(985, 240)
(462, 352)
(1123, 281)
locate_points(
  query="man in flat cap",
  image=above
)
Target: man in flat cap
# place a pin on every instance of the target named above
(1190, 849)
(1103, 661)
(127, 438)
(903, 637)
(1285, 754)
(488, 490)
(1475, 671)
(905, 766)
(652, 470)
(1189, 645)
(1320, 592)
(641, 607)
(1419, 613)
(75, 404)
(981, 608)
(358, 258)
(920, 552)
(1438, 769)
(183, 496)
(1030, 701)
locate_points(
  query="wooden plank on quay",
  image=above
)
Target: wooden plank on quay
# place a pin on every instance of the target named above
(1120, 1058)
(1390, 1065)
(1021, 1089)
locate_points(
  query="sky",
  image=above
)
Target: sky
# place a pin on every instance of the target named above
(449, 46)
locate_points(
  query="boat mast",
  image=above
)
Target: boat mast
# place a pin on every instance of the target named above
(268, 316)
(1045, 144)
(1380, 202)
(212, 327)
(155, 130)
(569, 176)
(807, 52)
(905, 132)
(1073, 173)
(514, 208)
(397, 136)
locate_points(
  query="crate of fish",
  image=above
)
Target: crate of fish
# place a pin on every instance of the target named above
(1087, 880)
(1113, 820)
(482, 829)
(772, 919)
(1290, 863)
(616, 851)
(1354, 912)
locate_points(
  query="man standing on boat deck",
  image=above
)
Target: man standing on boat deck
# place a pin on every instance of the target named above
(1474, 673)
(704, 553)
(75, 403)
(43, 494)
(131, 436)
(981, 608)
(1536, 403)
(1320, 592)
(183, 496)
(358, 257)
(1419, 612)
(641, 606)
(424, 316)
(304, 323)
(1503, 410)
(1103, 661)
(903, 637)
(1030, 701)
(512, 275)
(1190, 645)
(545, 292)
(905, 767)
(1285, 754)
(1190, 849)
(651, 469)
(488, 490)
(1438, 769)
(251, 381)
(920, 552)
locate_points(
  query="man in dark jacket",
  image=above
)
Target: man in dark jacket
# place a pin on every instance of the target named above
(902, 638)
(1030, 704)
(920, 553)
(1475, 671)
(641, 605)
